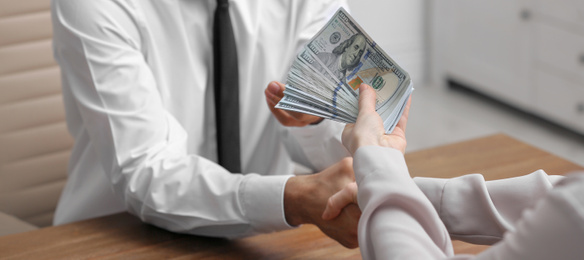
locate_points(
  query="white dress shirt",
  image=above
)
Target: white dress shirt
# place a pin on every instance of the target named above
(138, 92)
(535, 216)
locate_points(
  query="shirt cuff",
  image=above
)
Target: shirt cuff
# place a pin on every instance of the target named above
(433, 188)
(263, 202)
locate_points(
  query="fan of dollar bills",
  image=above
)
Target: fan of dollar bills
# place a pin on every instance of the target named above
(325, 77)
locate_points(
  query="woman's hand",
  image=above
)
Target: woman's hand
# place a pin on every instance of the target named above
(368, 130)
(338, 201)
(274, 92)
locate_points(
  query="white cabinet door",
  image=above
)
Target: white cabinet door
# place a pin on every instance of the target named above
(488, 47)
(560, 100)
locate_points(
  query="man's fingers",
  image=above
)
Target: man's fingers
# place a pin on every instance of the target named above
(273, 93)
(283, 117)
(340, 200)
(276, 88)
(286, 119)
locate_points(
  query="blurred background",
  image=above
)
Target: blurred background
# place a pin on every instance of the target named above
(485, 67)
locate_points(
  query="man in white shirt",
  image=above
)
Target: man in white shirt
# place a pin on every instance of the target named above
(535, 216)
(138, 93)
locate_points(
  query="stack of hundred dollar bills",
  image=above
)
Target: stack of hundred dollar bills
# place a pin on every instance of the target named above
(325, 77)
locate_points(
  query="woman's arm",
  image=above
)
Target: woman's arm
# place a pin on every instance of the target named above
(400, 222)
(397, 221)
(479, 211)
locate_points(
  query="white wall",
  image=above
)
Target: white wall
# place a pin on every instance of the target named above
(398, 26)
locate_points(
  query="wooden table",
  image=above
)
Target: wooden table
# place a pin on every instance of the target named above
(124, 236)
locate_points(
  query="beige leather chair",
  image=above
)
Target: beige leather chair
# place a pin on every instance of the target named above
(34, 142)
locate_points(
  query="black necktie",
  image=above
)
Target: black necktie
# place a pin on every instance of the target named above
(226, 89)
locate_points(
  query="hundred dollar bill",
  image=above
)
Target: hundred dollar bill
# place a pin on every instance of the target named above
(297, 98)
(352, 57)
(303, 77)
(325, 76)
(306, 60)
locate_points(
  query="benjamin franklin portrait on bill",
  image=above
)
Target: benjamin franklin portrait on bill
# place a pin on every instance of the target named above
(345, 57)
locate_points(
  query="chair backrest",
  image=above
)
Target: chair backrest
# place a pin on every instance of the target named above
(34, 142)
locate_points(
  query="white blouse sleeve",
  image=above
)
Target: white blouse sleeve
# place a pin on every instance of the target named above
(479, 211)
(399, 222)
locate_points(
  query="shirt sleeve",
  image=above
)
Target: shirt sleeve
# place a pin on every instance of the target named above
(479, 211)
(552, 229)
(140, 145)
(319, 146)
(399, 221)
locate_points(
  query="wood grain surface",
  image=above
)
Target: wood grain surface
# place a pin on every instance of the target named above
(123, 236)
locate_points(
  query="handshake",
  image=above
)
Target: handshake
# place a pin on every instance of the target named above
(354, 83)
(328, 199)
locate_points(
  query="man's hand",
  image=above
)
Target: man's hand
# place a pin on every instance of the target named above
(368, 130)
(274, 92)
(305, 198)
